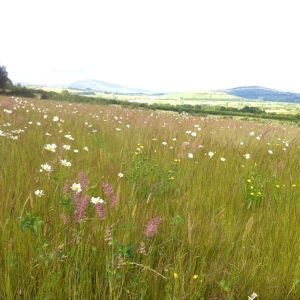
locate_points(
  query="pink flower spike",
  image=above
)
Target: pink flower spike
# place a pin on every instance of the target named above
(151, 228)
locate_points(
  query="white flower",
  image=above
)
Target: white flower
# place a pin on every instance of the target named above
(39, 193)
(7, 111)
(164, 143)
(222, 159)
(194, 133)
(253, 296)
(46, 167)
(190, 155)
(65, 163)
(69, 137)
(85, 148)
(96, 200)
(76, 187)
(270, 151)
(55, 119)
(50, 147)
(247, 155)
(252, 133)
(76, 150)
(67, 147)
(174, 139)
(120, 175)
(210, 154)
(241, 143)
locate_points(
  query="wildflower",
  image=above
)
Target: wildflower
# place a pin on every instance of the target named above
(195, 276)
(39, 193)
(270, 151)
(50, 147)
(81, 204)
(109, 235)
(46, 167)
(142, 248)
(164, 143)
(99, 206)
(96, 200)
(121, 175)
(69, 137)
(76, 187)
(108, 190)
(67, 147)
(76, 150)
(252, 133)
(55, 119)
(190, 155)
(247, 155)
(194, 133)
(253, 296)
(222, 159)
(83, 179)
(175, 275)
(210, 154)
(65, 163)
(151, 228)
(85, 148)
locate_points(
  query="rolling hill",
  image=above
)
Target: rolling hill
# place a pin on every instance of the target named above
(262, 93)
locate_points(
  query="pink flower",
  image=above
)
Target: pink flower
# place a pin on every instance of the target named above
(83, 180)
(81, 203)
(151, 228)
(100, 210)
(108, 191)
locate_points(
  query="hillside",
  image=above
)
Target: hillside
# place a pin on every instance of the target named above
(257, 92)
(98, 85)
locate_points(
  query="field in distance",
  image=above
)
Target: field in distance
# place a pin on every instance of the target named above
(211, 98)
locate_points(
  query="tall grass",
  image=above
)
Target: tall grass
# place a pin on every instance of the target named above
(218, 229)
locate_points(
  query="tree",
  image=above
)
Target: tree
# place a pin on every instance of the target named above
(3, 77)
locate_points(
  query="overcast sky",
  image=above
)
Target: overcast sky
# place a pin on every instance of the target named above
(153, 44)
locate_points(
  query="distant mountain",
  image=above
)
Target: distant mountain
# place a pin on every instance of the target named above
(102, 86)
(257, 92)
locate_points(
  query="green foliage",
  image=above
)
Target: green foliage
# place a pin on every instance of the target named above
(31, 221)
(4, 80)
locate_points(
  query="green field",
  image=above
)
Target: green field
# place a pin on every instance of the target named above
(197, 98)
(194, 207)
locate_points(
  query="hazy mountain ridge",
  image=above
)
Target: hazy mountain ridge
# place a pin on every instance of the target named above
(98, 85)
(258, 92)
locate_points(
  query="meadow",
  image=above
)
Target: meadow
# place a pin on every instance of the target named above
(107, 202)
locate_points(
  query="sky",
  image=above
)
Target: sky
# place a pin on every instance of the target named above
(165, 45)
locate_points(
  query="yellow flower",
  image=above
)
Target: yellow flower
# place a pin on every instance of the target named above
(195, 276)
(277, 185)
(175, 275)
(294, 185)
